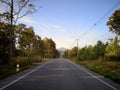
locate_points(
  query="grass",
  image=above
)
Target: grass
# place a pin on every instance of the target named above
(108, 69)
(24, 63)
(6, 70)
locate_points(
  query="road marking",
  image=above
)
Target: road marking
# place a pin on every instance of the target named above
(7, 85)
(93, 76)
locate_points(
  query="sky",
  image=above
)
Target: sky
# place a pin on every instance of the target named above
(67, 20)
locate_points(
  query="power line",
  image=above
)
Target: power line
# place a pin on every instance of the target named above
(94, 25)
(104, 37)
(73, 43)
(108, 12)
(91, 28)
(107, 37)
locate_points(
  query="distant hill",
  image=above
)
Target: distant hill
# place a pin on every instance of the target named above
(61, 49)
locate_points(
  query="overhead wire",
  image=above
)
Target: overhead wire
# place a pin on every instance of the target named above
(95, 24)
(99, 20)
(73, 43)
(104, 37)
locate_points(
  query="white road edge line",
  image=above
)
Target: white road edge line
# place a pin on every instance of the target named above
(94, 76)
(7, 85)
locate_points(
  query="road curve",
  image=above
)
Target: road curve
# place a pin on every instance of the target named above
(59, 74)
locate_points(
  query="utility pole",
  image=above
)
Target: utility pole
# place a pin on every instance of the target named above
(77, 46)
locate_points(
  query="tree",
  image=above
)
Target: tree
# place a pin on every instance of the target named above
(38, 46)
(66, 53)
(112, 51)
(26, 40)
(91, 52)
(73, 52)
(82, 54)
(32, 45)
(7, 39)
(50, 48)
(99, 49)
(114, 22)
(15, 10)
(4, 42)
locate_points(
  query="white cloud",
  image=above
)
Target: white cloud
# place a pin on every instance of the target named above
(57, 32)
(43, 26)
(26, 20)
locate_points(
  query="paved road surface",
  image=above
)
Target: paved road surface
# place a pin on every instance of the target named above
(59, 74)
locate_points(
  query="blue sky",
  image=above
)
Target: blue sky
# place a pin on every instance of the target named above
(66, 20)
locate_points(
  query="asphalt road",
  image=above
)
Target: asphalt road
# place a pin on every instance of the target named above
(58, 74)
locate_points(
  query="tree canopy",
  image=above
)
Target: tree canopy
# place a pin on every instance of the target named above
(114, 22)
(112, 51)
(16, 9)
(10, 35)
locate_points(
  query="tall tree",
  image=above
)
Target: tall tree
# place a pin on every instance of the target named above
(114, 22)
(100, 49)
(7, 33)
(90, 52)
(50, 48)
(26, 40)
(38, 46)
(15, 10)
(4, 42)
(66, 53)
(74, 52)
(83, 52)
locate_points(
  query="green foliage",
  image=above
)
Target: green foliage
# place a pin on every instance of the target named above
(31, 44)
(66, 54)
(73, 52)
(7, 30)
(30, 48)
(7, 43)
(112, 51)
(4, 41)
(26, 42)
(50, 48)
(38, 46)
(99, 49)
(83, 53)
(114, 22)
(87, 52)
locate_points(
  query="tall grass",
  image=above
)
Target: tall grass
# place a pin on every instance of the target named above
(109, 69)
(24, 63)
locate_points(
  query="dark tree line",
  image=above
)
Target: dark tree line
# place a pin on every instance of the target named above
(108, 51)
